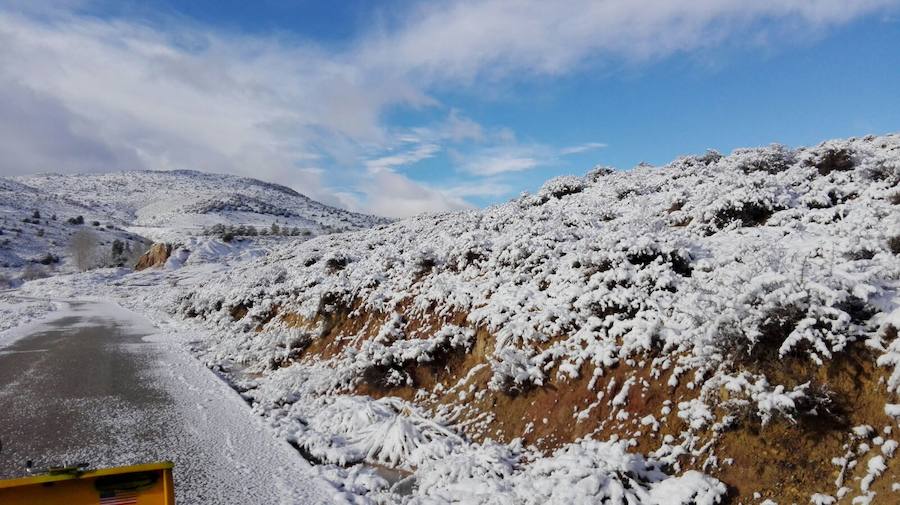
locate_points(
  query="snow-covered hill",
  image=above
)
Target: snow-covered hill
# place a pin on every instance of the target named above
(37, 231)
(723, 326)
(41, 215)
(166, 204)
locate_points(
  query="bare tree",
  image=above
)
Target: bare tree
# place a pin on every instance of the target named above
(83, 247)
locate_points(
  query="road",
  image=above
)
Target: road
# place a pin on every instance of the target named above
(99, 384)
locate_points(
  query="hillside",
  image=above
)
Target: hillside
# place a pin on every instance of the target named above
(135, 208)
(720, 329)
(167, 204)
(37, 230)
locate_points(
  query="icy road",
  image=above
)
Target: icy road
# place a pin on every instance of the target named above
(101, 385)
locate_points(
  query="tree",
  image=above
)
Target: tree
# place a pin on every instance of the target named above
(36, 214)
(275, 229)
(118, 249)
(83, 247)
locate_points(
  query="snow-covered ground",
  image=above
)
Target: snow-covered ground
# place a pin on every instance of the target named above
(677, 301)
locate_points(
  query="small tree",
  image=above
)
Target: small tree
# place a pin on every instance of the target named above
(276, 230)
(83, 247)
(36, 214)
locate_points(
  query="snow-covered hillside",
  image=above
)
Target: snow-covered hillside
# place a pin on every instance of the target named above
(723, 325)
(37, 232)
(41, 215)
(169, 205)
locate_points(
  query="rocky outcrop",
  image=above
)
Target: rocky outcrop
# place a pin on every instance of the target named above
(156, 256)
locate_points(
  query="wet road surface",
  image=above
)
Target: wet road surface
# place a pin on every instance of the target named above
(89, 386)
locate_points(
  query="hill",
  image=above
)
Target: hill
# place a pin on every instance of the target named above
(40, 215)
(723, 328)
(160, 204)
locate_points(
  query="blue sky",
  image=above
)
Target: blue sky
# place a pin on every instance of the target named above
(401, 107)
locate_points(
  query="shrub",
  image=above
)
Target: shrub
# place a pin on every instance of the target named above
(559, 187)
(773, 159)
(748, 213)
(47, 259)
(76, 220)
(833, 160)
(894, 244)
(33, 271)
(336, 264)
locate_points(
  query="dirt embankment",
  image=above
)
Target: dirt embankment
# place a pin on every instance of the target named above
(786, 459)
(157, 256)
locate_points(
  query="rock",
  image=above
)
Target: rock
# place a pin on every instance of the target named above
(156, 256)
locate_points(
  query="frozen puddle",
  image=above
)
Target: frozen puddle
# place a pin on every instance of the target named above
(95, 384)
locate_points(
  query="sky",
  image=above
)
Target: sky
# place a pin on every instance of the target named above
(402, 107)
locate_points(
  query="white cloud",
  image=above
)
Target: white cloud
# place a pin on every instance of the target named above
(420, 153)
(395, 195)
(482, 188)
(582, 148)
(500, 164)
(464, 40)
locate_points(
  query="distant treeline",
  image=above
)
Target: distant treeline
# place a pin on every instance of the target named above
(229, 232)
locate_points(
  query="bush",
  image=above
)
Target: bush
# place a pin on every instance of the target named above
(774, 159)
(834, 160)
(894, 244)
(76, 220)
(32, 272)
(559, 187)
(47, 259)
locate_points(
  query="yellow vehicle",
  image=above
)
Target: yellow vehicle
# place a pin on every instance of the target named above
(149, 484)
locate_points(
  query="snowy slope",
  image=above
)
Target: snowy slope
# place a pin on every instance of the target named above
(162, 204)
(684, 310)
(138, 207)
(35, 232)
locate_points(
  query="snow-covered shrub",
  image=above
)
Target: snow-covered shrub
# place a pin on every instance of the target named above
(513, 372)
(387, 431)
(894, 244)
(831, 159)
(585, 472)
(561, 186)
(773, 159)
(598, 172)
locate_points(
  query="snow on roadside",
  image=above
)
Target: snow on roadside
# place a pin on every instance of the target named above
(16, 313)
